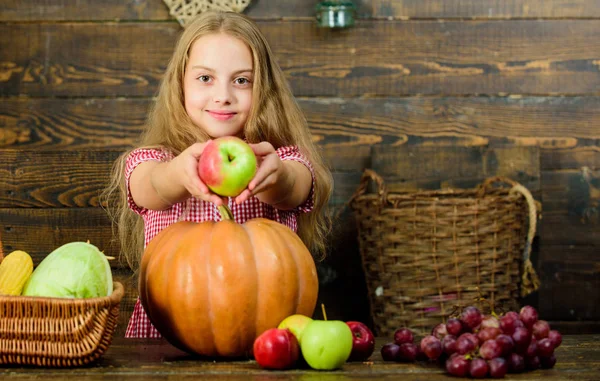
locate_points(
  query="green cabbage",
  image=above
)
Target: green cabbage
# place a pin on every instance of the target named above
(74, 270)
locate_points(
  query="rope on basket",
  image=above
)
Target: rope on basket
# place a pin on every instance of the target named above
(529, 279)
(186, 10)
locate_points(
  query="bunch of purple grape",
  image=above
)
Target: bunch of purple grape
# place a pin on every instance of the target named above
(479, 346)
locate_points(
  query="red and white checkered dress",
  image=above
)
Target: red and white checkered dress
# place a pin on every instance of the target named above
(198, 211)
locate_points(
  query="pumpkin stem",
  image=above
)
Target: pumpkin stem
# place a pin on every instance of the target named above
(225, 212)
(323, 309)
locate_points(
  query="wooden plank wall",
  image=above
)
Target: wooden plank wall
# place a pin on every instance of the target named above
(77, 78)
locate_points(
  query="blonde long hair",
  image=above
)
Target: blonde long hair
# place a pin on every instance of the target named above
(274, 117)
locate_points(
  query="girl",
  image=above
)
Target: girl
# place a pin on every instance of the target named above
(222, 80)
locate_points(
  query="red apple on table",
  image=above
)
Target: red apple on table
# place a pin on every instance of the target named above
(363, 341)
(227, 165)
(276, 349)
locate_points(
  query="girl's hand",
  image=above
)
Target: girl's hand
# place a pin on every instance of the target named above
(186, 166)
(271, 171)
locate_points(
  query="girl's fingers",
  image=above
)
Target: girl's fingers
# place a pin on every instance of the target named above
(262, 148)
(257, 181)
(257, 176)
(195, 185)
(264, 184)
(196, 149)
(201, 186)
(218, 201)
(211, 197)
(245, 195)
(259, 185)
(267, 167)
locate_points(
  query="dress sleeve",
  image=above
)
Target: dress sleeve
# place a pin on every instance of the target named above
(293, 153)
(135, 158)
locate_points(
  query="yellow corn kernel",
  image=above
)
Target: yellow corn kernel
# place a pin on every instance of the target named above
(15, 270)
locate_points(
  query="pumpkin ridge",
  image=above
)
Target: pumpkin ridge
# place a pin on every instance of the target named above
(285, 243)
(211, 316)
(167, 262)
(293, 253)
(233, 296)
(202, 253)
(256, 275)
(258, 283)
(301, 262)
(152, 262)
(277, 246)
(148, 265)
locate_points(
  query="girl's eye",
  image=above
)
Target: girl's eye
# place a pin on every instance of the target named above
(204, 78)
(242, 81)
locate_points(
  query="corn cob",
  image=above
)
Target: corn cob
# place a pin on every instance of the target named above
(15, 270)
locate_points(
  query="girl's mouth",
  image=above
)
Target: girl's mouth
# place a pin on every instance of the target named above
(221, 115)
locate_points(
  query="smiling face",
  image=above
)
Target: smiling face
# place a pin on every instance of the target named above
(217, 84)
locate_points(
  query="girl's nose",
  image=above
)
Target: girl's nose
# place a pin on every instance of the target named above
(222, 94)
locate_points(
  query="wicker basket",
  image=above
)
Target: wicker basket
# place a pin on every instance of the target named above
(427, 253)
(56, 332)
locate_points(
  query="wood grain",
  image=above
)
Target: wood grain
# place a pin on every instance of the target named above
(118, 10)
(571, 201)
(432, 167)
(401, 58)
(577, 153)
(345, 128)
(569, 241)
(576, 327)
(71, 124)
(485, 9)
(54, 178)
(570, 281)
(88, 10)
(40, 231)
(155, 10)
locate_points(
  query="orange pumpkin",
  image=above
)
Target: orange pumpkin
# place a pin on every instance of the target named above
(211, 288)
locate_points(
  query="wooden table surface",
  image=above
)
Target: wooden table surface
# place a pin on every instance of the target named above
(578, 358)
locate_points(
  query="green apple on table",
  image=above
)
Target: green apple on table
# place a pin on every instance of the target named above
(326, 344)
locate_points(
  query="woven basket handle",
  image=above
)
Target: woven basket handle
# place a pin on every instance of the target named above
(530, 281)
(368, 176)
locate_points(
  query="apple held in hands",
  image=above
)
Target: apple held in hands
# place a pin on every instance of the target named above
(295, 323)
(227, 165)
(276, 349)
(363, 341)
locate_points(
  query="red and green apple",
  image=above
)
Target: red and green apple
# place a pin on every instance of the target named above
(227, 165)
